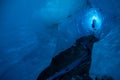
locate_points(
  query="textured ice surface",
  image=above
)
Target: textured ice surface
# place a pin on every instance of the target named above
(31, 32)
(27, 43)
(106, 52)
(106, 55)
(55, 11)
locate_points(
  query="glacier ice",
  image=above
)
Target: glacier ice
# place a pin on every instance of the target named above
(105, 55)
(106, 52)
(29, 40)
(56, 11)
(32, 32)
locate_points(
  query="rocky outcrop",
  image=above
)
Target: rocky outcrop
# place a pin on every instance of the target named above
(73, 63)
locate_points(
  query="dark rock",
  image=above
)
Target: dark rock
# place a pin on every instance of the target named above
(104, 78)
(67, 57)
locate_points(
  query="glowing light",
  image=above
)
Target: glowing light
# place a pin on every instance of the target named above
(93, 17)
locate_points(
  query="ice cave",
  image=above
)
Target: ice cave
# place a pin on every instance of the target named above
(59, 40)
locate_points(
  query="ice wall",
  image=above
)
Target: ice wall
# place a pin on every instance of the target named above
(106, 52)
(106, 55)
(31, 32)
(55, 11)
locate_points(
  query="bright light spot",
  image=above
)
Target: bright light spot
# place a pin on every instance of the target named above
(93, 16)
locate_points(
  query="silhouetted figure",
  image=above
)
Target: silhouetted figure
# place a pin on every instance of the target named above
(94, 24)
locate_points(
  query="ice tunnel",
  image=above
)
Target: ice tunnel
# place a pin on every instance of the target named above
(93, 20)
(59, 40)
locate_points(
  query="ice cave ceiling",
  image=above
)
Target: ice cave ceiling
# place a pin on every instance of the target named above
(32, 32)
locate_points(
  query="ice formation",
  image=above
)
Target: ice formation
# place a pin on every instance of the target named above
(32, 32)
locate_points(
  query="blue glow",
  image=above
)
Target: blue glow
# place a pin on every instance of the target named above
(91, 15)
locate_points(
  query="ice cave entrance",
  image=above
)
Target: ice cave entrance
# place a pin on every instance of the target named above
(93, 20)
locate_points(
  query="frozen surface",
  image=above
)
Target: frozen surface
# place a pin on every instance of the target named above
(32, 32)
(106, 52)
(55, 11)
(106, 55)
